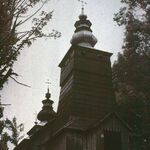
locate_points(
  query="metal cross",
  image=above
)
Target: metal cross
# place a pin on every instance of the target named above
(48, 83)
(83, 3)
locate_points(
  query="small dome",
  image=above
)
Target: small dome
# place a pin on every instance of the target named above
(47, 113)
(83, 34)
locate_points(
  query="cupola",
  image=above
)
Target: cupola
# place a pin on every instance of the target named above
(47, 113)
(83, 35)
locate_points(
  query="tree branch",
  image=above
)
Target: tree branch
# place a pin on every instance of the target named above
(20, 82)
(33, 14)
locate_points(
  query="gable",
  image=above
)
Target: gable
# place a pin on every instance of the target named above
(113, 122)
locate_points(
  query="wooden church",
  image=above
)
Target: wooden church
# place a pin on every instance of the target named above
(86, 118)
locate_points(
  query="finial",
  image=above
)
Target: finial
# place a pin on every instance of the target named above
(48, 83)
(83, 3)
(48, 95)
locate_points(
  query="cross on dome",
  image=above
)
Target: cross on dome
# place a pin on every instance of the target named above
(47, 113)
(83, 35)
(48, 83)
(83, 3)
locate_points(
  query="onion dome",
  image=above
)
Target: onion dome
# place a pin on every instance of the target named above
(47, 113)
(83, 34)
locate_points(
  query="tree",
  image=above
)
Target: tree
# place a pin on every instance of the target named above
(11, 132)
(15, 129)
(14, 15)
(131, 71)
(2, 143)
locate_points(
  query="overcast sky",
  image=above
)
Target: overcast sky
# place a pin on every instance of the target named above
(40, 62)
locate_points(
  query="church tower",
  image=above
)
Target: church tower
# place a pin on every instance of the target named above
(86, 81)
(86, 117)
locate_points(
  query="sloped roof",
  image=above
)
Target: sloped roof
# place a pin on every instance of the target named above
(23, 145)
(86, 124)
(125, 124)
(80, 124)
(59, 125)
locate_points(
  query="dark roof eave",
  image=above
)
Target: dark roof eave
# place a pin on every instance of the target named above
(77, 46)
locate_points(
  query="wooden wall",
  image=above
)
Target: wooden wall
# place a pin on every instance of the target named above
(94, 140)
(86, 83)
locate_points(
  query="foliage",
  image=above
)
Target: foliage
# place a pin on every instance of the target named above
(15, 15)
(11, 133)
(136, 18)
(131, 72)
(15, 129)
(21, 23)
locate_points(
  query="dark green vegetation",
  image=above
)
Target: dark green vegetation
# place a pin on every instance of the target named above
(131, 71)
(14, 16)
(11, 132)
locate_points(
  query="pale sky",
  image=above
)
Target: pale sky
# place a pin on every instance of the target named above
(40, 62)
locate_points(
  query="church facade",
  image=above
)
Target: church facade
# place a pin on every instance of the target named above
(86, 118)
